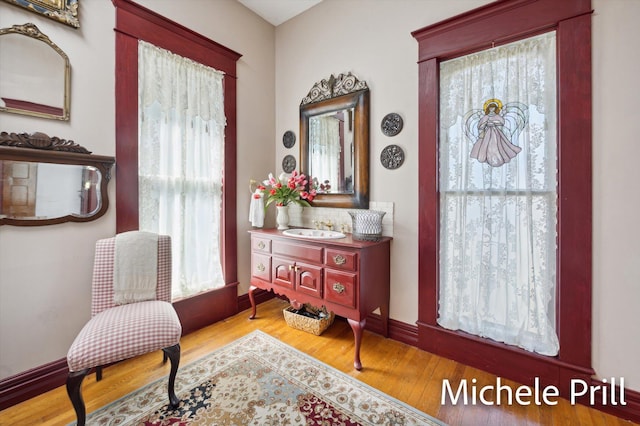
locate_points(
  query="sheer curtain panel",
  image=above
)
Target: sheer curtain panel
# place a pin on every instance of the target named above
(498, 190)
(181, 147)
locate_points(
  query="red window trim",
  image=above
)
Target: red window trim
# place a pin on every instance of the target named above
(498, 23)
(133, 23)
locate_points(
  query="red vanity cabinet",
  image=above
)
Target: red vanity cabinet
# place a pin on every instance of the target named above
(349, 277)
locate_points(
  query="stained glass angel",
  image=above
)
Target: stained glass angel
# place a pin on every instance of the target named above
(494, 129)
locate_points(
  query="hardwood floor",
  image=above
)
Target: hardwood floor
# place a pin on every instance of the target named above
(404, 372)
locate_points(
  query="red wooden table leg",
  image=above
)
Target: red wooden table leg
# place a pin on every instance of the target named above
(357, 327)
(253, 302)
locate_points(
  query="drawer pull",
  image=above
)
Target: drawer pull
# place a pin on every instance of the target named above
(261, 245)
(261, 267)
(339, 259)
(338, 288)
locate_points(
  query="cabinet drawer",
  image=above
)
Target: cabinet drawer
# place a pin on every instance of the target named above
(261, 244)
(261, 266)
(297, 250)
(340, 287)
(341, 259)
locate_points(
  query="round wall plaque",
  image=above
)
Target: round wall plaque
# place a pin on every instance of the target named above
(289, 163)
(391, 124)
(288, 139)
(392, 157)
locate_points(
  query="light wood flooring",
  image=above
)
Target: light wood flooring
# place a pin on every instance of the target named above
(404, 372)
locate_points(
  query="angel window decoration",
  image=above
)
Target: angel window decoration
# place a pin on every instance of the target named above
(494, 129)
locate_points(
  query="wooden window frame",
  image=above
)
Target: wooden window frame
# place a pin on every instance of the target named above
(133, 23)
(495, 24)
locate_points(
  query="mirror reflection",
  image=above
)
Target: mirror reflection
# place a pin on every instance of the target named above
(37, 191)
(35, 74)
(331, 162)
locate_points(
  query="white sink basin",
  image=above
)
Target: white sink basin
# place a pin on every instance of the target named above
(316, 234)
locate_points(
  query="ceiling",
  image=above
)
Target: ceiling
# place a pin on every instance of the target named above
(278, 11)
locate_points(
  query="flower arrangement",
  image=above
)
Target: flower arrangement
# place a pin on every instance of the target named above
(294, 190)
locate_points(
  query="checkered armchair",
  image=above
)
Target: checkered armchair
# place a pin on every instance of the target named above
(118, 332)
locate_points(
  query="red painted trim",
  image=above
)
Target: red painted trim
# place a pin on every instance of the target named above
(207, 308)
(141, 23)
(26, 385)
(630, 411)
(496, 23)
(259, 296)
(126, 133)
(134, 22)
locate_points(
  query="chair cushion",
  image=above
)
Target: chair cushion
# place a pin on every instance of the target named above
(124, 332)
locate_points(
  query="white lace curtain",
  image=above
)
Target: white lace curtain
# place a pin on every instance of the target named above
(498, 194)
(181, 150)
(325, 149)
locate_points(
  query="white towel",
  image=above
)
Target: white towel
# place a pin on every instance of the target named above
(256, 209)
(135, 270)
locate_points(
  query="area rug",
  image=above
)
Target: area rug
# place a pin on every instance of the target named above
(258, 380)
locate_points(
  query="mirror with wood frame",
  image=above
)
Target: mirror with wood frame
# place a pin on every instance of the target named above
(47, 180)
(36, 74)
(334, 141)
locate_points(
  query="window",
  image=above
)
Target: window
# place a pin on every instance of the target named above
(180, 150)
(135, 23)
(497, 186)
(498, 24)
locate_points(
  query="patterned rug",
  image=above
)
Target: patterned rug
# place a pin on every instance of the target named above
(258, 380)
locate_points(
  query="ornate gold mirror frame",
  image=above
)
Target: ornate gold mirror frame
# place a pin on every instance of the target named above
(36, 74)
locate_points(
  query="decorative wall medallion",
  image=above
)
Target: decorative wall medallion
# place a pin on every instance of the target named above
(392, 157)
(289, 163)
(289, 139)
(391, 124)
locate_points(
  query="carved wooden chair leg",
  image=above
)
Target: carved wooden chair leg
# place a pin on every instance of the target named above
(164, 357)
(173, 352)
(74, 384)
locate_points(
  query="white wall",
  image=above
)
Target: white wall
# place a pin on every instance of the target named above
(616, 199)
(372, 39)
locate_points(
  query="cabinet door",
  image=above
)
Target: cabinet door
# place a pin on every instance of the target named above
(308, 279)
(283, 272)
(261, 266)
(341, 287)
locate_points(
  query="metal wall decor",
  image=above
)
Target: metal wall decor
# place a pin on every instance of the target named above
(392, 157)
(288, 139)
(289, 163)
(343, 84)
(391, 124)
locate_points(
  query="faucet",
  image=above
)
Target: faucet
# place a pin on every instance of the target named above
(329, 225)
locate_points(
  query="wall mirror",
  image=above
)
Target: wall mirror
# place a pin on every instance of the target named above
(334, 141)
(36, 74)
(47, 180)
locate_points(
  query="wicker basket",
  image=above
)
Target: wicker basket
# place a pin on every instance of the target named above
(310, 325)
